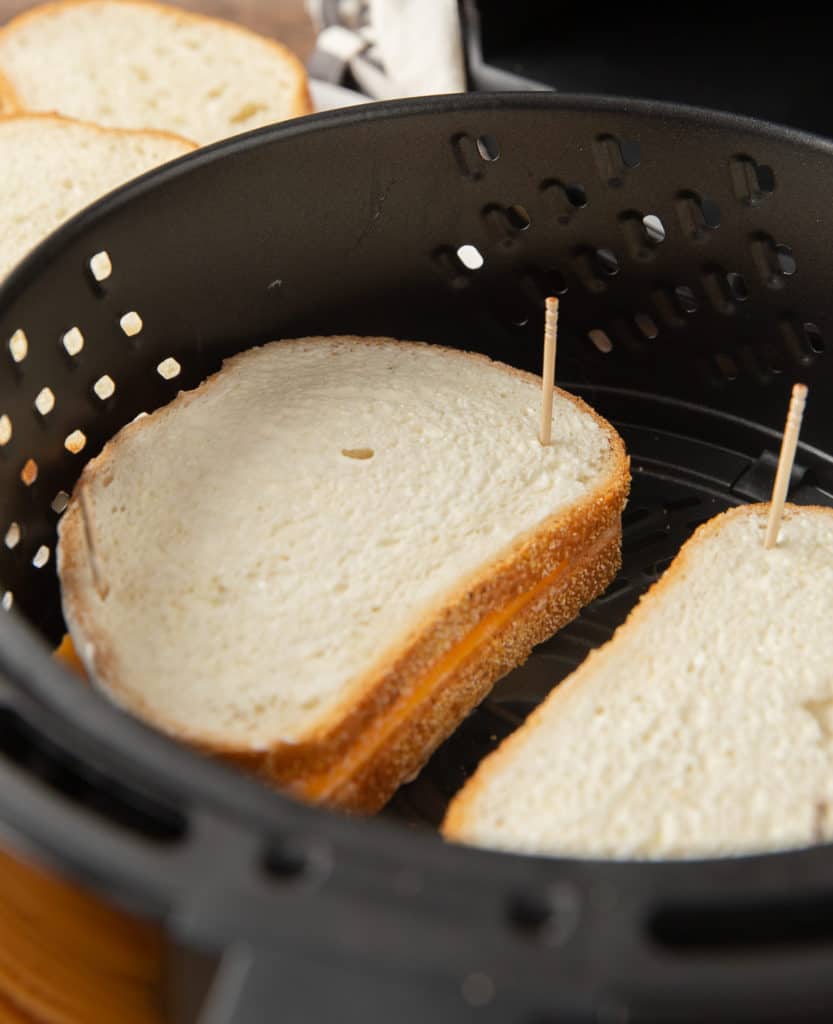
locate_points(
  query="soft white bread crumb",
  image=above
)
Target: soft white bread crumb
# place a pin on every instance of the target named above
(54, 167)
(704, 727)
(136, 65)
(261, 544)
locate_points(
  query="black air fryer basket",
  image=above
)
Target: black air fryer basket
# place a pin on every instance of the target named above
(692, 252)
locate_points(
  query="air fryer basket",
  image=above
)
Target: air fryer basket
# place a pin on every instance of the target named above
(692, 251)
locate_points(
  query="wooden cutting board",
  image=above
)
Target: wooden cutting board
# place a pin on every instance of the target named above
(283, 19)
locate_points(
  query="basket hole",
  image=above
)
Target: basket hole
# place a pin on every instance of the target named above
(685, 299)
(290, 861)
(631, 152)
(488, 148)
(101, 266)
(104, 387)
(562, 201)
(737, 286)
(29, 473)
(646, 326)
(7, 601)
(466, 155)
(518, 217)
(774, 261)
(75, 442)
(753, 182)
(59, 502)
(131, 323)
(716, 287)
(549, 917)
(601, 340)
(502, 225)
(41, 557)
(698, 216)
(711, 214)
(615, 157)
(18, 346)
(785, 260)
(5, 430)
(606, 262)
(45, 401)
(13, 536)
(766, 178)
(73, 341)
(727, 367)
(576, 195)
(470, 256)
(665, 301)
(169, 368)
(814, 337)
(654, 228)
(589, 270)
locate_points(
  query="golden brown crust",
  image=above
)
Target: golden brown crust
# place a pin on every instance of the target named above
(52, 118)
(301, 102)
(455, 825)
(8, 97)
(388, 708)
(411, 742)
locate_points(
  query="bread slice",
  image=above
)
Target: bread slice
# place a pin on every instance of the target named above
(704, 727)
(318, 562)
(53, 167)
(127, 64)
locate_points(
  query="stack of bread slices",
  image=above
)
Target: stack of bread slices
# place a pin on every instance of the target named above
(96, 92)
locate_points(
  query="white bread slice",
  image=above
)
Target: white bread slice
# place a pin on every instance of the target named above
(322, 558)
(704, 727)
(54, 167)
(129, 64)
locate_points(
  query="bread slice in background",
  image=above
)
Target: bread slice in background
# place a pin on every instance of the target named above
(318, 562)
(8, 97)
(138, 65)
(704, 727)
(54, 167)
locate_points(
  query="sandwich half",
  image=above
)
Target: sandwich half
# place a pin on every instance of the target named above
(704, 727)
(320, 560)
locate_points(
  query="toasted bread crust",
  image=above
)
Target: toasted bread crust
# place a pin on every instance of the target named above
(301, 102)
(413, 740)
(9, 103)
(455, 827)
(392, 719)
(40, 116)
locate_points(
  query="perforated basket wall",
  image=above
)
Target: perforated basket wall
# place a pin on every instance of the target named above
(692, 255)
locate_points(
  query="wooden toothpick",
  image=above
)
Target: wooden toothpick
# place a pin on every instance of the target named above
(548, 376)
(785, 463)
